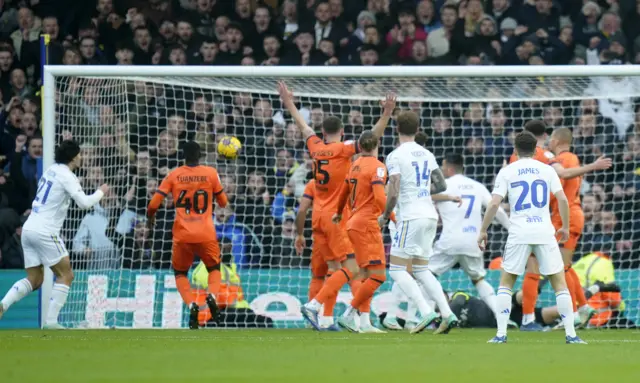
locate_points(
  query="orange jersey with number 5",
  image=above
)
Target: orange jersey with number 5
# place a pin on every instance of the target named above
(364, 189)
(331, 163)
(193, 189)
(541, 155)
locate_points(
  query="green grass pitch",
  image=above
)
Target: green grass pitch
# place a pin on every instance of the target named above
(302, 356)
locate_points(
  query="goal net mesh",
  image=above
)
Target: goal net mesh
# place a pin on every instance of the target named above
(131, 130)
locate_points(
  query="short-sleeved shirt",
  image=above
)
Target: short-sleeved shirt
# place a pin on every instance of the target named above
(194, 189)
(528, 184)
(570, 186)
(366, 173)
(331, 162)
(461, 223)
(414, 164)
(309, 190)
(541, 155)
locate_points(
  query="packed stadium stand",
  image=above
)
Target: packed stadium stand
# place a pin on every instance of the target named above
(131, 135)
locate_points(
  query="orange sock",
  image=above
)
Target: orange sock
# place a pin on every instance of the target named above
(366, 291)
(365, 307)
(581, 299)
(530, 293)
(330, 303)
(184, 288)
(333, 284)
(355, 285)
(314, 286)
(568, 276)
(214, 283)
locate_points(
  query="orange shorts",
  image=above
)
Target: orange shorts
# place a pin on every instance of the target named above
(184, 254)
(369, 247)
(576, 225)
(330, 240)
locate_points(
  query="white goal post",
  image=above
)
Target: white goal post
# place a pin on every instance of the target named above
(123, 117)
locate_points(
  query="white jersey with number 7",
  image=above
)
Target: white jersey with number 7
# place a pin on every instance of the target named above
(528, 184)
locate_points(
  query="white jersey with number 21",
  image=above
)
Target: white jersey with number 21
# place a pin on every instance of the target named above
(56, 187)
(528, 184)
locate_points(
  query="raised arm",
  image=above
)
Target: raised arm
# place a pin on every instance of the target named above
(438, 182)
(287, 100)
(388, 106)
(77, 194)
(601, 163)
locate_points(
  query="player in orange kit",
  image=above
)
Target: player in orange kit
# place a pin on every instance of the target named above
(532, 277)
(560, 145)
(332, 159)
(364, 189)
(318, 265)
(193, 187)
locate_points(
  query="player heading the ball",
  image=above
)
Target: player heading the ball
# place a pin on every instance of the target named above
(41, 242)
(528, 184)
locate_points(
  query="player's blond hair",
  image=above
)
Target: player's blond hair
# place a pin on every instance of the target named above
(563, 135)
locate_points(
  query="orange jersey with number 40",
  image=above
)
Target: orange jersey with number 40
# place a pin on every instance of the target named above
(194, 189)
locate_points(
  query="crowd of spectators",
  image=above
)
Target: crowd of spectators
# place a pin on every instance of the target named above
(131, 131)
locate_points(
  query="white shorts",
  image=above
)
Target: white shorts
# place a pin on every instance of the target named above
(42, 249)
(549, 258)
(441, 262)
(414, 238)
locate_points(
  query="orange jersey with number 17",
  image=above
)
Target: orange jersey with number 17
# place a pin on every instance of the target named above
(541, 155)
(365, 183)
(194, 189)
(331, 162)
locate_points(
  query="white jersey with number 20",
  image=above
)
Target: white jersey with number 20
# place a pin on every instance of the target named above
(414, 164)
(528, 184)
(56, 187)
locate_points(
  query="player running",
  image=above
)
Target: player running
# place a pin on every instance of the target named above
(458, 240)
(532, 277)
(41, 242)
(332, 160)
(364, 188)
(560, 145)
(414, 176)
(193, 187)
(527, 184)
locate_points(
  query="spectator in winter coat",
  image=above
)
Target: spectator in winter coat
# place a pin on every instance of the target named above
(542, 15)
(11, 256)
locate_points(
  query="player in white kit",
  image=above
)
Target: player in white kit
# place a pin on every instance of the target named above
(41, 243)
(527, 184)
(461, 222)
(414, 176)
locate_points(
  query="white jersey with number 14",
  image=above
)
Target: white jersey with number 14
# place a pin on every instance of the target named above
(528, 184)
(414, 164)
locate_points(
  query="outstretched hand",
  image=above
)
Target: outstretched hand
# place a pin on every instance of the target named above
(389, 103)
(285, 94)
(602, 163)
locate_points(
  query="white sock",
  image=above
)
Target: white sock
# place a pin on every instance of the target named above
(575, 313)
(58, 298)
(503, 305)
(595, 289)
(19, 290)
(413, 312)
(433, 288)
(314, 304)
(565, 309)
(349, 311)
(583, 309)
(410, 288)
(396, 297)
(528, 318)
(487, 294)
(365, 320)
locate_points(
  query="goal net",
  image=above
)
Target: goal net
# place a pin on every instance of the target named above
(131, 124)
